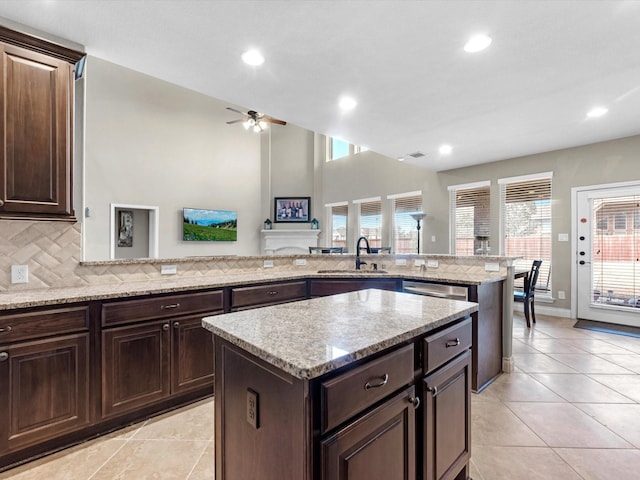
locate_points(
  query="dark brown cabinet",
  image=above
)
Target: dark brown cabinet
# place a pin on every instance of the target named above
(324, 287)
(447, 417)
(381, 444)
(155, 348)
(243, 298)
(44, 367)
(36, 82)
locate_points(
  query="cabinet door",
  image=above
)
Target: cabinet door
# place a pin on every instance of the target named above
(35, 126)
(447, 420)
(45, 390)
(379, 445)
(192, 355)
(135, 366)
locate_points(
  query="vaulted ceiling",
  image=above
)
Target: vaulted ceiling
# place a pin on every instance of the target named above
(549, 63)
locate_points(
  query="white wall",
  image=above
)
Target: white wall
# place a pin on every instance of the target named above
(149, 142)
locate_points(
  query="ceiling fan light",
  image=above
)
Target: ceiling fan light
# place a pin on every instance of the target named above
(246, 124)
(257, 128)
(262, 124)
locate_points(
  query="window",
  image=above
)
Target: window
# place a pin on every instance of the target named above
(338, 213)
(470, 218)
(338, 148)
(621, 221)
(370, 220)
(525, 204)
(405, 233)
(359, 149)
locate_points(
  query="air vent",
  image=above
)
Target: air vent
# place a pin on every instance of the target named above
(416, 155)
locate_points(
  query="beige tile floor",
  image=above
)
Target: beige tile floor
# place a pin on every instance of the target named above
(570, 411)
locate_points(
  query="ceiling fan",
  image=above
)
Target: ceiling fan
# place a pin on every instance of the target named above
(254, 120)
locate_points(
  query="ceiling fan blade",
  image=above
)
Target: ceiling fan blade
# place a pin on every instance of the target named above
(273, 120)
(235, 121)
(237, 111)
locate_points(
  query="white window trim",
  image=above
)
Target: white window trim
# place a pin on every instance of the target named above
(468, 186)
(404, 195)
(365, 200)
(526, 178)
(336, 204)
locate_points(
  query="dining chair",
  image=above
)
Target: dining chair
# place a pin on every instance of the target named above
(527, 295)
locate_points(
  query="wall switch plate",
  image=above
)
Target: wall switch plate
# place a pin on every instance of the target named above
(561, 295)
(432, 263)
(168, 269)
(267, 264)
(563, 237)
(253, 409)
(19, 274)
(401, 262)
(433, 238)
(418, 262)
(300, 262)
(491, 267)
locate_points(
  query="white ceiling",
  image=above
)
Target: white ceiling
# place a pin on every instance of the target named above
(403, 61)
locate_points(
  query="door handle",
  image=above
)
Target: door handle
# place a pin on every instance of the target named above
(433, 390)
(4, 356)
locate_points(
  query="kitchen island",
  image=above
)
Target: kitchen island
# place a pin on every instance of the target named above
(362, 385)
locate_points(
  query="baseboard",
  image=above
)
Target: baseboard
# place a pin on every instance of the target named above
(544, 310)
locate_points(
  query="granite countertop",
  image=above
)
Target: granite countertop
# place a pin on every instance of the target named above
(312, 337)
(57, 296)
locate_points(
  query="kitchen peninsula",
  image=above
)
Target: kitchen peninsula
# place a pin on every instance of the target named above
(372, 382)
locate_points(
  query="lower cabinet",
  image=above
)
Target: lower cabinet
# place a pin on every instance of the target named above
(380, 444)
(324, 287)
(148, 362)
(447, 415)
(45, 376)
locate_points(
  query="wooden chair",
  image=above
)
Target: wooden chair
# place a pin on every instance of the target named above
(527, 295)
(316, 250)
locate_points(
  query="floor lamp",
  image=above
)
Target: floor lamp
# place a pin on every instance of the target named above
(417, 217)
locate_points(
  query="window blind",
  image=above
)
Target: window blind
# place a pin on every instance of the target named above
(616, 251)
(371, 222)
(339, 217)
(405, 233)
(526, 224)
(470, 218)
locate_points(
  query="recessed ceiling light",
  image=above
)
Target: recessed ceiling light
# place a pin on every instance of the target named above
(445, 149)
(401, 159)
(597, 112)
(347, 103)
(252, 57)
(477, 43)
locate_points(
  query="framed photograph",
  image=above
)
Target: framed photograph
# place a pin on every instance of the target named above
(292, 209)
(125, 228)
(209, 225)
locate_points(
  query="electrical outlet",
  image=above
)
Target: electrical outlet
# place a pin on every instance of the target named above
(168, 269)
(401, 262)
(300, 262)
(418, 262)
(19, 274)
(432, 263)
(267, 263)
(253, 409)
(561, 295)
(491, 267)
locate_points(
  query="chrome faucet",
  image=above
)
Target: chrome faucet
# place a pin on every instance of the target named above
(358, 261)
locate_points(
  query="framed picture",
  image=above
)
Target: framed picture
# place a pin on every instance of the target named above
(292, 209)
(125, 228)
(209, 225)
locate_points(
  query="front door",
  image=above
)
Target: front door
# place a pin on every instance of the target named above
(608, 254)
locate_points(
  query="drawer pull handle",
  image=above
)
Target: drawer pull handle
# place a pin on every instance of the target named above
(6, 329)
(415, 401)
(385, 379)
(272, 292)
(453, 343)
(170, 306)
(1, 203)
(165, 327)
(433, 390)
(4, 356)
(176, 324)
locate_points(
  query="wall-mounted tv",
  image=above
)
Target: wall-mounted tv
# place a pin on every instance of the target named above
(209, 225)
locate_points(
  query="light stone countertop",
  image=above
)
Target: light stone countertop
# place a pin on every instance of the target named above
(56, 296)
(309, 338)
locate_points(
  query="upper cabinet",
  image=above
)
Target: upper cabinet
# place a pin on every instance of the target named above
(36, 151)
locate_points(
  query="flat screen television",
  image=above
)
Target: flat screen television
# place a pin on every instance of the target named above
(200, 225)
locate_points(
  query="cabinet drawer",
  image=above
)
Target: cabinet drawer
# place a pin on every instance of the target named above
(243, 297)
(21, 326)
(159, 307)
(344, 396)
(443, 346)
